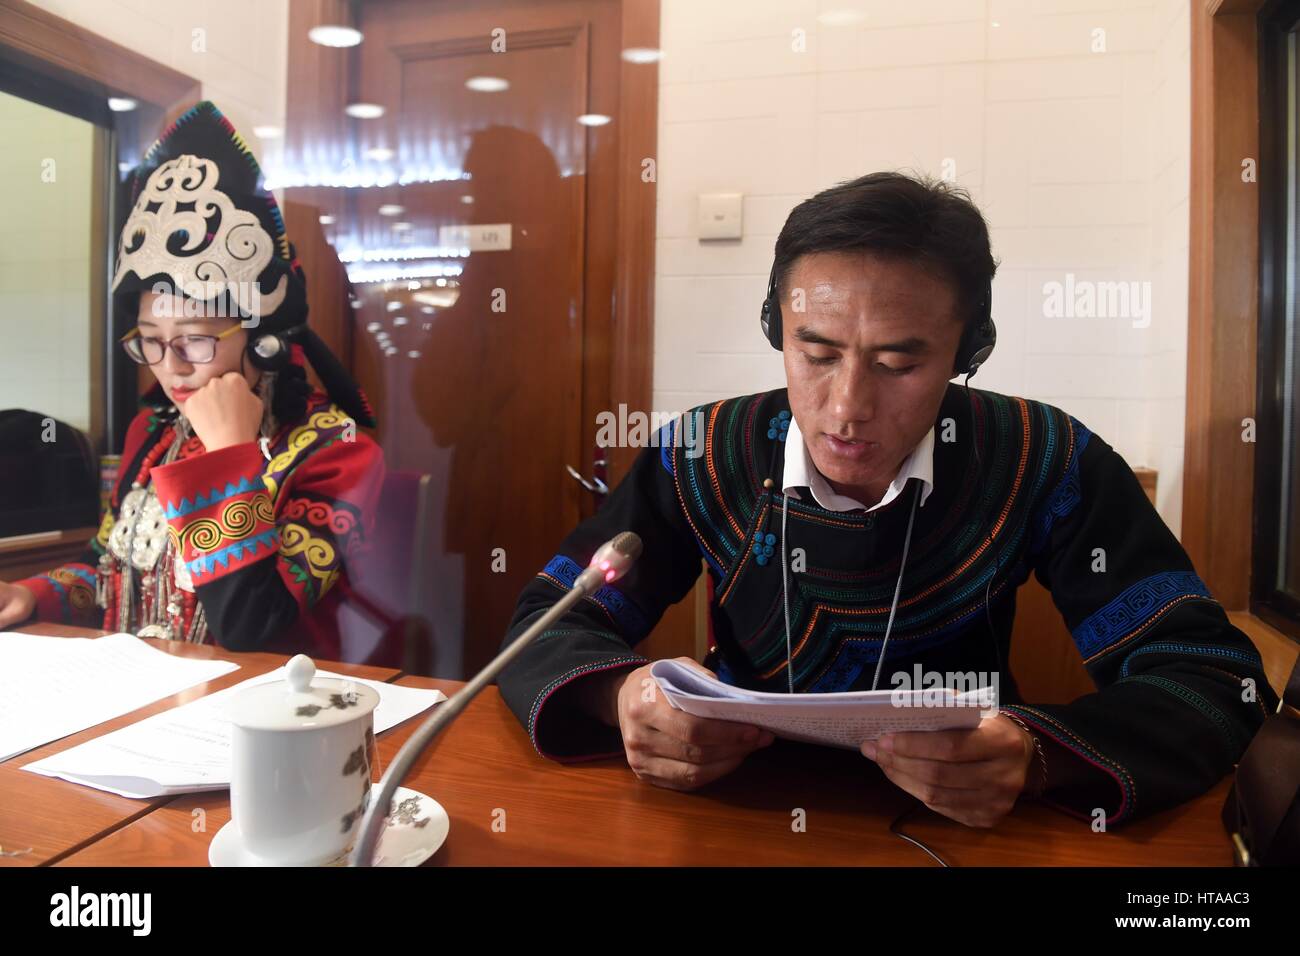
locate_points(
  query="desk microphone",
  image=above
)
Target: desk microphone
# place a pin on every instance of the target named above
(610, 562)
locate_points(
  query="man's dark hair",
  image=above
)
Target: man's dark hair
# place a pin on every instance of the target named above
(894, 214)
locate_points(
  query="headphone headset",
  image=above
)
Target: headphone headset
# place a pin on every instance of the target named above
(269, 352)
(977, 338)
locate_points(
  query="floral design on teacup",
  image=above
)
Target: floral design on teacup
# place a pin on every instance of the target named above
(337, 701)
(404, 814)
(352, 816)
(357, 762)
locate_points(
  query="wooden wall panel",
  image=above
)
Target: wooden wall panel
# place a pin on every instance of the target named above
(1219, 468)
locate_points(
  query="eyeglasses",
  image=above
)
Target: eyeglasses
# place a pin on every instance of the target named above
(191, 349)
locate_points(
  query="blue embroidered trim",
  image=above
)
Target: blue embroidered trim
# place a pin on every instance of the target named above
(1067, 494)
(215, 495)
(84, 575)
(855, 655)
(614, 602)
(666, 446)
(1133, 608)
(667, 440)
(205, 563)
(1244, 657)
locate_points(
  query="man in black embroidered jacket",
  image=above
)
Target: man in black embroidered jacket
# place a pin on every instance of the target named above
(882, 284)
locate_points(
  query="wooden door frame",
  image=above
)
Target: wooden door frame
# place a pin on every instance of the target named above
(1223, 297)
(59, 48)
(632, 334)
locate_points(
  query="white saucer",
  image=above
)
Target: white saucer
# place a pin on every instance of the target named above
(417, 827)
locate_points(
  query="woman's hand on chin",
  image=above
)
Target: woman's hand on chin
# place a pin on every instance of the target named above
(224, 412)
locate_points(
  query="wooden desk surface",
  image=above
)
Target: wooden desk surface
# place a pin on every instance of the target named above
(43, 819)
(485, 773)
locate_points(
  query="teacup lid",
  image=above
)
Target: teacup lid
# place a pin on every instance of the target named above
(300, 703)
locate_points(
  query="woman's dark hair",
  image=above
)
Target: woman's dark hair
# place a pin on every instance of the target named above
(289, 397)
(894, 214)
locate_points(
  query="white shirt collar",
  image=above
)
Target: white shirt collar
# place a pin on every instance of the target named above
(800, 472)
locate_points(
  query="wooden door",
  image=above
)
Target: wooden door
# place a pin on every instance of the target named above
(487, 376)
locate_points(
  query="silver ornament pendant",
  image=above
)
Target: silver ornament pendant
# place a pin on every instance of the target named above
(150, 534)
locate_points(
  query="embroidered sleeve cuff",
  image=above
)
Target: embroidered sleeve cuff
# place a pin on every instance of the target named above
(563, 731)
(218, 510)
(1080, 781)
(65, 595)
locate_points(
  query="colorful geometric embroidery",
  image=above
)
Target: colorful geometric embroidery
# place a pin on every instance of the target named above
(666, 445)
(1065, 496)
(1184, 693)
(1135, 608)
(237, 520)
(75, 587)
(319, 428)
(1251, 658)
(237, 551)
(625, 615)
(215, 496)
(1067, 738)
(322, 560)
(338, 518)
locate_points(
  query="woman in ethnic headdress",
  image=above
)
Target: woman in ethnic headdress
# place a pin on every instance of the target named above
(242, 491)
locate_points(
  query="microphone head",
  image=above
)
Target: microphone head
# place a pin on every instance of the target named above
(616, 556)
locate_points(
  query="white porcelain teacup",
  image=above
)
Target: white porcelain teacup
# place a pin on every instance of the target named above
(302, 752)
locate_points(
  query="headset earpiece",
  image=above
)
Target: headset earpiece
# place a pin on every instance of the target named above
(977, 340)
(770, 317)
(269, 353)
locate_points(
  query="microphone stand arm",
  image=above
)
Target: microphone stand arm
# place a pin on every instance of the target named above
(444, 713)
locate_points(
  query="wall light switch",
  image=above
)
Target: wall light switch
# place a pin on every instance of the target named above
(720, 215)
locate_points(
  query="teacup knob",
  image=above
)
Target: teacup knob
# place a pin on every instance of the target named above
(299, 672)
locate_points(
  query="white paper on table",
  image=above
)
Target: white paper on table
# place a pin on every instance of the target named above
(187, 749)
(839, 720)
(51, 687)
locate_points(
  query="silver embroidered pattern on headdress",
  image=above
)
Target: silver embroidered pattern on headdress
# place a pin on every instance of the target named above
(176, 206)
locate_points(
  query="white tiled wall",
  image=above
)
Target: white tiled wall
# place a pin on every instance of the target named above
(237, 49)
(1079, 160)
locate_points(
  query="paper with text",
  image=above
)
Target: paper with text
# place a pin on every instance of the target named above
(51, 687)
(839, 720)
(187, 749)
